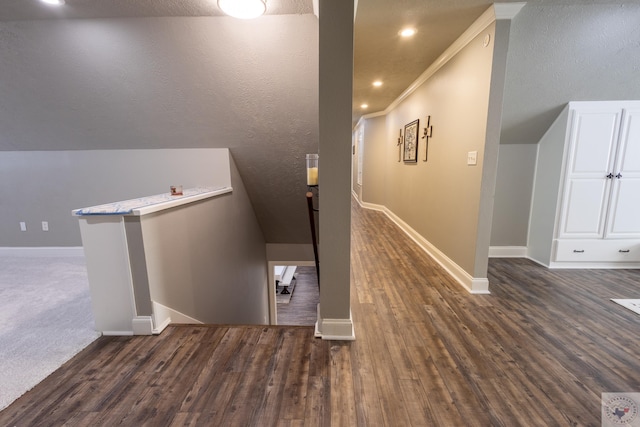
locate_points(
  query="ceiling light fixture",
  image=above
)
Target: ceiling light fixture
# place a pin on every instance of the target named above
(407, 32)
(54, 2)
(243, 9)
(377, 83)
(364, 106)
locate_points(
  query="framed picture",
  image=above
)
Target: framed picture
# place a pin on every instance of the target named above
(410, 154)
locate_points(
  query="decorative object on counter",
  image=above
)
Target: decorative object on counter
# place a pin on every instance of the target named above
(411, 142)
(428, 132)
(399, 145)
(176, 190)
(312, 170)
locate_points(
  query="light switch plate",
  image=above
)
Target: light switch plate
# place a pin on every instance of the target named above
(472, 158)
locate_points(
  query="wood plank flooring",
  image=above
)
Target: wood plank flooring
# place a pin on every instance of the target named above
(302, 308)
(538, 351)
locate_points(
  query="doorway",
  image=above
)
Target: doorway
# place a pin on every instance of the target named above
(293, 293)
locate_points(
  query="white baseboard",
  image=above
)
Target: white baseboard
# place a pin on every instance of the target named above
(508, 252)
(475, 285)
(117, 333)
(142, 325)
(163, 316)
(43, 251)
(335, 329)
(594, 265)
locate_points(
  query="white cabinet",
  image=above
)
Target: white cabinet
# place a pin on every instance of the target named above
(624, 215)
(597, 198)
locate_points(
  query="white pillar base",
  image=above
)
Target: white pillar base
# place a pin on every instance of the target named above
(335, 329)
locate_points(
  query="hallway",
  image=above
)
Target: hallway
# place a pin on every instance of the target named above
(538, 351)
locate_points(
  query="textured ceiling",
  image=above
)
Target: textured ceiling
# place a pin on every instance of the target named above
(24, 10)
(379, 52)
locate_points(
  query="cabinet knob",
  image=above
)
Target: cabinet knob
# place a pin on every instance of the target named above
(578, 251)
(624, 251)
(619, 175)
(609, 176)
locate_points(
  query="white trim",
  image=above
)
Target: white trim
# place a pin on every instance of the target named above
(271, 290)
(116, 333)
(163, 316)
(366, 205)
(373, 115)
(335, 329)
(594, 265)
(507, 10)
(142, 325)
(508, 252)
(44, 251)
(494, 12)
(474, 285)
(486, 19)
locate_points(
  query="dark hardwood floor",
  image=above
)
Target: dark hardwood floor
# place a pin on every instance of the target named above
(538, 351)
(302, 308)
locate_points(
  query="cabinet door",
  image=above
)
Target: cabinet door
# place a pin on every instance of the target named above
(624, 214)
(593, 138)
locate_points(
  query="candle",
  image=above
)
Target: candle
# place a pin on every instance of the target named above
(312, 176)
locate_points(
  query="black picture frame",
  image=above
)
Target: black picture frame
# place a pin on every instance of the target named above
(410, 152)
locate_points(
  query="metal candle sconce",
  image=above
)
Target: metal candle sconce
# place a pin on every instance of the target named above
(399, 145)
(428, 132)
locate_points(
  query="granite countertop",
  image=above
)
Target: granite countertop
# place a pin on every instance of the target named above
(150, 204)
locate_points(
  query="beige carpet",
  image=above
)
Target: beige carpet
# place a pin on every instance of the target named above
(45, 319)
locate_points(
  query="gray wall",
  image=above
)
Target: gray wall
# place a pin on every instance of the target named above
(516, 165)
(560, 53)
(40, 186)
(181, 82)
(336, 88)
(544, 202)
(374, 160)
(208, 260)
(557, 54)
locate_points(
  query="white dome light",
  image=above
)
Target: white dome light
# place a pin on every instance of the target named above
(53, 2)
(243, 9)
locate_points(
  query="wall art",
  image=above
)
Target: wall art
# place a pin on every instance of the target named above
(411, 142)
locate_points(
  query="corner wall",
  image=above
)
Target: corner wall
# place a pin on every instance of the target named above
(208, 262)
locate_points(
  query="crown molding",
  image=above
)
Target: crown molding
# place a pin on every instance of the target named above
(494, 12)
(507, 10)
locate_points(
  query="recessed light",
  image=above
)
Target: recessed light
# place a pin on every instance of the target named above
(53, 2)
(364, 106)
(377, 83)
(407, 32)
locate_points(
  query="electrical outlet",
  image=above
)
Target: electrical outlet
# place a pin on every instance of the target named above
(23, 226)
(45, 226)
